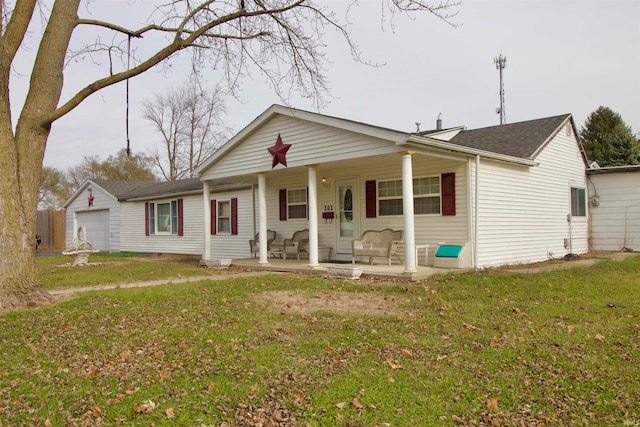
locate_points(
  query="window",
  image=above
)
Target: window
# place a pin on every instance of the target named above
(390, 198)
(578, 202)
(163, 214)
(426, 196)
(297, 203)
(164, 217)
(224, 216)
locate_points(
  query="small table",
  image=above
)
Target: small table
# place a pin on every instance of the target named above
(426, 253)
(277, 251)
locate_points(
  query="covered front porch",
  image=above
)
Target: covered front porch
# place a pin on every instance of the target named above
(341, 179)
(382, 270)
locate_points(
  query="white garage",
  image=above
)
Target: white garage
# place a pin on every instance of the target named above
(96, 207)
(96, 225)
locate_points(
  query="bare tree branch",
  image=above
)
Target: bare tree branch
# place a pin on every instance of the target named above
(189, 122)
(16, 28)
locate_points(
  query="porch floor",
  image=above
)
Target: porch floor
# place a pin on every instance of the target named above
(382, 270)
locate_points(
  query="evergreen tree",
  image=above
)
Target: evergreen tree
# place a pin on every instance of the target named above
(608, 140)
(620, 147)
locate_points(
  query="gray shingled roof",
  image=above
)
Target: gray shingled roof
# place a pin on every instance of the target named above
(124, 190)
(128, 190)
(522, 139)
(119, 189)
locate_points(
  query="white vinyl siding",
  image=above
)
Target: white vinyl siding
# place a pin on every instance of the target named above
(310, 143)
(615, 222)
(523, 211)
(133, 238)
(226, 245)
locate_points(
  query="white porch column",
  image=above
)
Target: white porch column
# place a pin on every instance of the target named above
(262, 220)
(75, 225)
(407, 206)
(206, 196)
(313, 217)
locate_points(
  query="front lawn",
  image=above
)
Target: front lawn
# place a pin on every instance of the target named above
(107, 268)
(558, 349)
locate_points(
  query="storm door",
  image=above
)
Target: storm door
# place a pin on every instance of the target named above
(348, 226)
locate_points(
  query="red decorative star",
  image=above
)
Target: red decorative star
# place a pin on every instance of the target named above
(279, 152)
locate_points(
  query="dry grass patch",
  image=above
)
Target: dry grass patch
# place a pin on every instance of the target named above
(345, 303)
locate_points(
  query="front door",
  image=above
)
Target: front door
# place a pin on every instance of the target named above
(348, 227)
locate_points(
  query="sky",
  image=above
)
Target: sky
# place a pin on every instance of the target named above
(563, 56)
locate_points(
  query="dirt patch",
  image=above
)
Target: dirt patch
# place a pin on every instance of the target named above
(334, 302)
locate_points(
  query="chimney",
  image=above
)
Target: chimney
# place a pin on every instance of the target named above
(439, 122)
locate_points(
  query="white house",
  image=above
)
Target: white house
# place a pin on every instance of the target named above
(510, 194)
(171, 220)
(152, 217)
(614, 195)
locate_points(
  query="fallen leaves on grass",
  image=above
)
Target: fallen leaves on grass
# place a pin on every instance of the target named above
(393, 365)
(146, 407)
(356, 403)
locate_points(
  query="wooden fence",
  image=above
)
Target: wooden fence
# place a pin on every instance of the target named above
(51, 228)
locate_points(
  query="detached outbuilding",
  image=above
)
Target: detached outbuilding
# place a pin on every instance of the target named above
(614, 195)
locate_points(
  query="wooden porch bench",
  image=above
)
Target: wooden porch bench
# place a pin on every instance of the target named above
(377, 243)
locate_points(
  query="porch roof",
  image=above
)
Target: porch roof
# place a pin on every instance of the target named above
(517, 142)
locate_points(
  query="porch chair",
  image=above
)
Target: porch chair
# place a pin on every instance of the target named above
(297, 244)
(254, 244)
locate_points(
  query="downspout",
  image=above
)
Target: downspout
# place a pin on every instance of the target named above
(206, 198)
(475, 214)
(470, 214)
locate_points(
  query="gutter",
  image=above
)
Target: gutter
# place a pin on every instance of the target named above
(417, 142)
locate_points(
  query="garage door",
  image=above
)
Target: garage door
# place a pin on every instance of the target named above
(96, 225)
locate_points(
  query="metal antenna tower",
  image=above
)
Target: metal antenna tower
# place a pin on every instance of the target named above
(501, 64)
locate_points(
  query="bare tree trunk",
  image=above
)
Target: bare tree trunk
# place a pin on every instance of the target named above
(18, 283)
(21, 154)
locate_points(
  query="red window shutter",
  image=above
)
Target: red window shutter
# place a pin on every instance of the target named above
(448, 190)
(283, 204)
(370, 197)
(234, 216)
(146, 218)
(180, 216)
(213, 216)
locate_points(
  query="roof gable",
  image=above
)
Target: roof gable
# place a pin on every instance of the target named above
(392, 136)
(522, 139)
